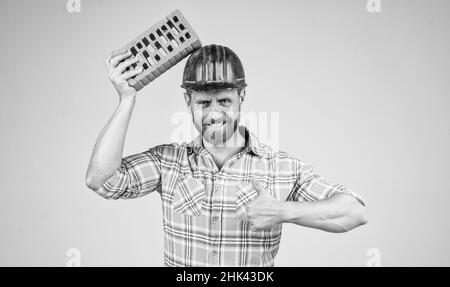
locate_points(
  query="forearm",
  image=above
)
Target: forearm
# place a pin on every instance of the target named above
(107, 154)
(339, 213)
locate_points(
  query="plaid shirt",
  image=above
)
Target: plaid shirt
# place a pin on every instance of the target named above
(202, 205)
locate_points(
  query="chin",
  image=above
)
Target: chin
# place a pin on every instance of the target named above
(217, 137)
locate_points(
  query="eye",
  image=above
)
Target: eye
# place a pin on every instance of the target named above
(203, 103)
(225, 101)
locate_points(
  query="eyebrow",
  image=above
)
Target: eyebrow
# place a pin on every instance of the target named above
(202, 100)
(219, 98)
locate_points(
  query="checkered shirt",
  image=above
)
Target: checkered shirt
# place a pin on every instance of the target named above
(202, 205)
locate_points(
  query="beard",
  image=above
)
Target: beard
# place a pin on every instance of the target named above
(220, 131)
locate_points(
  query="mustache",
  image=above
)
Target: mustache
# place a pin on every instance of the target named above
(221, 120)
(225, 134)
(211, 122)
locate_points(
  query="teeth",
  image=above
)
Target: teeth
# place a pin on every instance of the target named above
(216, 125)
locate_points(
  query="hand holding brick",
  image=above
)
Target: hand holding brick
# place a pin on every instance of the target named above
(161, 47)
(119, 71)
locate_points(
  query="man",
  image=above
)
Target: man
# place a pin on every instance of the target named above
(225, 195)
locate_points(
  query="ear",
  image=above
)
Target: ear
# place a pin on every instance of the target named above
(187, 99)
(242, 95)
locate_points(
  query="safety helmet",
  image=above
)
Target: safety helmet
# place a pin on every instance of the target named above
(213, 67)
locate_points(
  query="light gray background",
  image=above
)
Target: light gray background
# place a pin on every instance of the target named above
(364, 97)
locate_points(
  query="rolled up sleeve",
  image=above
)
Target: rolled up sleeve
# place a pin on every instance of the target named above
(310, 186)
(138, 175)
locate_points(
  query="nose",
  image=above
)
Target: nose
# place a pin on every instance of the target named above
(214, 111)
(214, 117)
(214, 106)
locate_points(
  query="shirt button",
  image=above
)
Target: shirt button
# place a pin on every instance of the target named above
(214, 253)
(215, 218)
(217, 188)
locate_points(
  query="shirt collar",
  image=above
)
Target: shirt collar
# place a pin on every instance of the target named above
(252, 144)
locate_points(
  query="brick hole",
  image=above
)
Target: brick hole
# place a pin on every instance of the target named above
(161, 36)
(172, 27)
(160, 48)
(172, 40)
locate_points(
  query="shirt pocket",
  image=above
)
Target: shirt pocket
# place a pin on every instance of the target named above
(189, 196)
(245, 193)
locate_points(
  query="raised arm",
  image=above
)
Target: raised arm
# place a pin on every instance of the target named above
(107, 154)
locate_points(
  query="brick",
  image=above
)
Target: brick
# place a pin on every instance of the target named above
(170, 32)
(150, 76)
(135, 84)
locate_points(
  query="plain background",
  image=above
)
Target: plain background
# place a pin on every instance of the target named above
(364, 97)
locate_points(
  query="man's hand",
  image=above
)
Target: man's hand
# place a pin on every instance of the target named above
(117, 64)
(264, 211)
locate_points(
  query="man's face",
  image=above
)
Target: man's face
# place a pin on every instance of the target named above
(215, 113)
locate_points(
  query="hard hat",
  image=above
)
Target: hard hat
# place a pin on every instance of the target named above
(213, 67)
